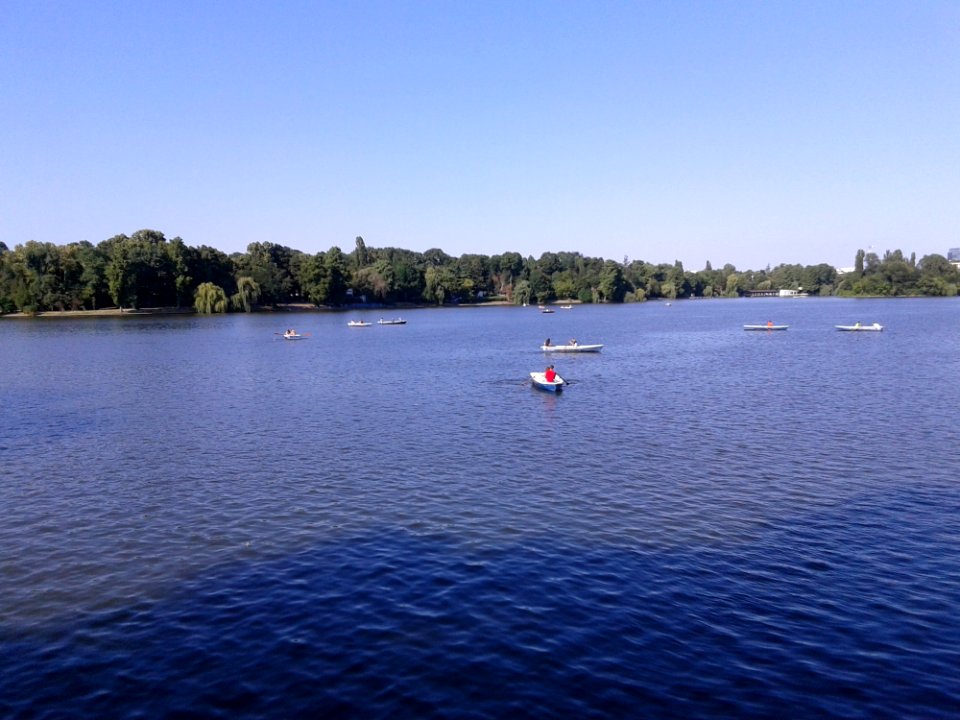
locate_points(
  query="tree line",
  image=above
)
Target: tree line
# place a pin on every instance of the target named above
(146, 270)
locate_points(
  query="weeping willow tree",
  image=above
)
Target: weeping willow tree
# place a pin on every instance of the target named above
(210, 298)
(248, 292)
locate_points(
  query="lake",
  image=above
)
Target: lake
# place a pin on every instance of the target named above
(200, 519)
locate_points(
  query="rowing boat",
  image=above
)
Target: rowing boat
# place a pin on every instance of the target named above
(876, 327)
(540, 382)
(571, 348)
(765, 327)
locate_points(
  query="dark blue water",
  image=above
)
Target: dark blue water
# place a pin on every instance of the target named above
(198, 519)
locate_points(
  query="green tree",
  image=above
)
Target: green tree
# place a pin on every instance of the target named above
(6, 281)
(179, 256)
(119, 281)
(407, 280)
(375, 281)
(611, 287)
(335, 276)
(38, 277)
(564, 285)
(938, 266)
(438, 284)
(312, 279)
(678, 278)
(248, 292)
(900, 276)
(361, 256)
(814, 278)
(540, 284)
(151, 269)
(522, 292)
(436, 258)
(474, 274)
(209, 299)
(22, 281)
(269, 265)
(207, 264)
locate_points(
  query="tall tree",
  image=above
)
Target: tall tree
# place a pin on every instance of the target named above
(94, 279)
(335, 276)
(119, 281)
(361, 257)
(180, 265)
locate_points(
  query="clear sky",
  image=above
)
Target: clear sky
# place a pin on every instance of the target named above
(741, 132)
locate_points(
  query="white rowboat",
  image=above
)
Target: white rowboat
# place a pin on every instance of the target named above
(876, 327)
(571, 348)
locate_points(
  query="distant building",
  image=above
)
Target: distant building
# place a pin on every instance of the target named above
(953, 254)
(844, 270)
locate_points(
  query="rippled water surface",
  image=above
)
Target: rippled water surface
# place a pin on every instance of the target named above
(199, 519)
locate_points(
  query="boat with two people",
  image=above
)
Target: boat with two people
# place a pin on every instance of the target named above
(548, 380)
(858, 327)
(571, 347)
(358, 323)
(545, 309)
(769, 326)
(291, 334)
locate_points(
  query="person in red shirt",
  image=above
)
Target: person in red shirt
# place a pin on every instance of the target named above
(550, 375)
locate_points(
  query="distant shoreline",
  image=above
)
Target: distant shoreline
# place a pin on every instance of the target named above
(105, 312)
(308, 307)
(287, 307)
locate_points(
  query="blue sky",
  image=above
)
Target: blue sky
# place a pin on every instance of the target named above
(751, 133)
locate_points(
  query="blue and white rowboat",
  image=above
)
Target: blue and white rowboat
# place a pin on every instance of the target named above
(540, 381)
